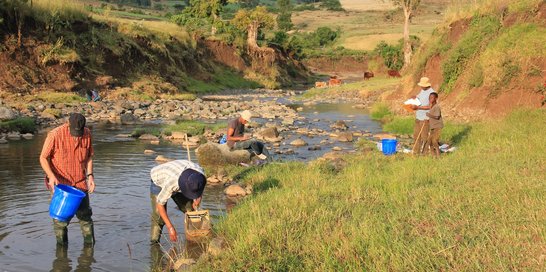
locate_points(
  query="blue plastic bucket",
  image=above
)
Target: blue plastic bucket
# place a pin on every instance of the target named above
(388, 146)
(65, 202)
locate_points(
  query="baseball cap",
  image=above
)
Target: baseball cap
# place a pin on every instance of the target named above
(77, 124)
(192, 183)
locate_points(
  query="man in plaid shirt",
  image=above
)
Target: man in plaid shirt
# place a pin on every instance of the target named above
(67, 159)
(181, 180)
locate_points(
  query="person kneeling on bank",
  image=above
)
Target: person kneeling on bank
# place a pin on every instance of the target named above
(181, 180)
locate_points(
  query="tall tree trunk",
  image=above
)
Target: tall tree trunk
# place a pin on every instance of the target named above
(252, 39)
(407, 41)
(19, 19)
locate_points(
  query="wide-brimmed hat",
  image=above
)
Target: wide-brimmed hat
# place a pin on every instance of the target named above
(192, 183)
(246, 115)
(77, 124)
(424, 82)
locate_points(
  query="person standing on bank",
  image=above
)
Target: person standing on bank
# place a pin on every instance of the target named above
(236, 138)
(67, 158)
(181, 180)
(436, 123)
(421, 127)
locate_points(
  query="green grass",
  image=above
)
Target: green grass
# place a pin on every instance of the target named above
(222, 79)
(451, 133)
(478, 209)
(363, 87)
(192, 127)
(379, 111)
(137, 132)
(480, 32)
(21, 124)
(58, 97)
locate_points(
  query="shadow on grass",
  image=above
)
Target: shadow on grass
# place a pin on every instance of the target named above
(461, 135)
(266, 185)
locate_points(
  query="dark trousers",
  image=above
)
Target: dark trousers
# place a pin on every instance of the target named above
(253, 145)
(84, 214)
(420, 136)
(157, 223)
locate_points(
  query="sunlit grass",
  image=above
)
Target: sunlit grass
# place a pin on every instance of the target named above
(478, 209)
(56, 97)
(363, 87)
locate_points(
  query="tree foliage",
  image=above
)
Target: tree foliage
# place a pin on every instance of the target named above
(259, 15)
(284, 19)
(200, 13)
(333, 5)
(252, 21)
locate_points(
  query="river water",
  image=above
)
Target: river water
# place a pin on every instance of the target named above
(121, 203)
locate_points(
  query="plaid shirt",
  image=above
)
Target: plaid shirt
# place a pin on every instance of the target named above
(68, 155)
(166, 176)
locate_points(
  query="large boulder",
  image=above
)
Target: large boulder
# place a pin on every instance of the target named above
(128, 119)
(213, 154)
(298, 142)
(341, 125)
(235, 190)
(7, 114)
(270, 134)
(345, 137)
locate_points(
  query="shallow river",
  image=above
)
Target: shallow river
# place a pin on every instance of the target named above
(120, 204)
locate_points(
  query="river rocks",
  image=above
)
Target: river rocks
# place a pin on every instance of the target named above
(298, 142)
(128, 119)
(235, 190)
(314, 148)
(337, 148)
(213, 154)
(14, 136)
(3, 141)
(149, 151)
(288, 121)
(7, 114)
(341, 125)
(345, 137)
(270, 134)
(148, 137)
(162, 159)
(28, 136)
(178, 135)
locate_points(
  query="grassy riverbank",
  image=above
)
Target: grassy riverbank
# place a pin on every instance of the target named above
(480, 208)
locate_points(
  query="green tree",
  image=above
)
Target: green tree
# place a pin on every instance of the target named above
(252, 21)
(249, 3)
(333, 5)
(284, 19)
(200, 13)
(325, 35)
(409, 7)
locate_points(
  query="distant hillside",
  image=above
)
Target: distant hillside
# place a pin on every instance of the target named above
(61, 46)
(485, 60)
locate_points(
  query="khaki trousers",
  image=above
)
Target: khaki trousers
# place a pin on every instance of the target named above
(419, 146)
(434, 141)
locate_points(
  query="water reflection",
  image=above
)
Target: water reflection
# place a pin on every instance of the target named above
(62, 262)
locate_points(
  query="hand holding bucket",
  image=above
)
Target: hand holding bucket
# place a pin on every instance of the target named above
(65, 202)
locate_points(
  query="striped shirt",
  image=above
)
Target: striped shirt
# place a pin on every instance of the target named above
(68, 155)
(166, 176)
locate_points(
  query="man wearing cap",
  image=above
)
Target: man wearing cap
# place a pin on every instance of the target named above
(421, 127)
(181, 180)
(236, 138)
(67, 158)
